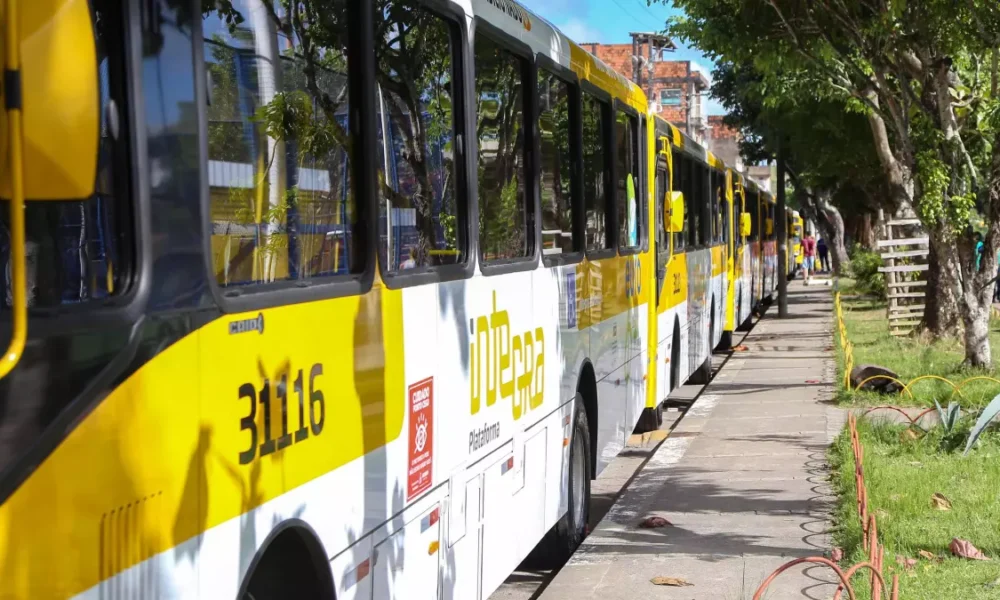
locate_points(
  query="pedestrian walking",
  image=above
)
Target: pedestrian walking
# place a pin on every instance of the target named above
(808, 255)
(824, 255)
(980, 247)
(996, 286)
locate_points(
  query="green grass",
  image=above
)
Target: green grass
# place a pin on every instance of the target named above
(910, 357)
(902, 475)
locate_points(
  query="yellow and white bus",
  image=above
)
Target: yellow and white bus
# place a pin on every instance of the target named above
(692, 257)
(350, 302)
(347, 302)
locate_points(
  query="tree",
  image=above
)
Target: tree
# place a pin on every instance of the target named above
(915, 70)
(825, 144)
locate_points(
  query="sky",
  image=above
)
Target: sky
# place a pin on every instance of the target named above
(611, 21)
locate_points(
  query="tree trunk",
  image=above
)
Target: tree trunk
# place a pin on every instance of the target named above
(833, 230)
(866, 236)
(941, 318)
(978, 284)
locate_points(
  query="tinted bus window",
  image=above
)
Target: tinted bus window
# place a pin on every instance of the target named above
(753, 207)
(629, 184)
(556, 149)
(595, 199)
(419, 222)
(282, 203)
(680, 173)
(692, 202)
(503, 200)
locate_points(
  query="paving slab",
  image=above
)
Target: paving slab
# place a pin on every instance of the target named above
(742, 479)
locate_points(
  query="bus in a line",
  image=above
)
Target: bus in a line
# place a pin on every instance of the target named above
(335, 299)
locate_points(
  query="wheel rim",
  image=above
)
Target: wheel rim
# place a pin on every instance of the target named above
(578, 483)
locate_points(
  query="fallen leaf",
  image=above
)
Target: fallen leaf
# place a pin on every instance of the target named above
(916, 463)
(671, 581)
(927, 555)
(940, 502)
(965, 549)
(654, 522)
(908, 435)
(837, 554)
(906, 563)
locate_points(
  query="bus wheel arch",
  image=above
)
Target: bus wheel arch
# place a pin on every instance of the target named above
(291, 560)
(586, 388)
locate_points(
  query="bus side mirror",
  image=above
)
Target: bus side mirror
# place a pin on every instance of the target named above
(769, 227)
(674, 212)
(56, 89)
(745, 224)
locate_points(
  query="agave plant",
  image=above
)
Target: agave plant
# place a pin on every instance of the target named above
(989, 413)
(950, 417)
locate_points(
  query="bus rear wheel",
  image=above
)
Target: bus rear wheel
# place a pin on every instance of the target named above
(564, 538)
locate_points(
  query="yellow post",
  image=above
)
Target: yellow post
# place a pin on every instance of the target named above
(19, 285)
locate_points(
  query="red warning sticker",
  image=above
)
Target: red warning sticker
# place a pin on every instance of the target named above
(421, 438)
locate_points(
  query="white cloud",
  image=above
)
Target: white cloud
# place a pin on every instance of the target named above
(578, 31)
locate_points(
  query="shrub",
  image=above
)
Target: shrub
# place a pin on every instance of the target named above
(864, 270)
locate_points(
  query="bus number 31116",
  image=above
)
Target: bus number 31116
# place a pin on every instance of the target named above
(317, 414)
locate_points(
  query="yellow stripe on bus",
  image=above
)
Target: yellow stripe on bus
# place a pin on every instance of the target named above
(132, 479)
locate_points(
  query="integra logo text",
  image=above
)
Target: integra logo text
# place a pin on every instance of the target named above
(513, 11)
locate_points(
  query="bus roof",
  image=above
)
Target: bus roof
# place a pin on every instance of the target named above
(546, 40)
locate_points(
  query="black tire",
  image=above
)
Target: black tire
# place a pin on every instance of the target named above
(564, 538)
(703, 374)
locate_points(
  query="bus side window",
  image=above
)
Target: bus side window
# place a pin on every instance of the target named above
(420, 222)
(282, 204)
(557, 149)
(505, 213)
(629, 186)
(595, 173)
(679, 185)
(692, 193)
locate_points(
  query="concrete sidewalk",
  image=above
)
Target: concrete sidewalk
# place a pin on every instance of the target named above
(742, 478)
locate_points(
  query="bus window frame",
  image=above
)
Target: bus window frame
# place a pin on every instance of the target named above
(606, 101)
(532, 202)
(642, 207)
(131, 168)
(360, 92)
(567, 76)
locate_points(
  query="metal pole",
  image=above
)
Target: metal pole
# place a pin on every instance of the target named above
(781, 233)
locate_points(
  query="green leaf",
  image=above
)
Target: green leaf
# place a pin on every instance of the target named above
(941, 415)
(954, 414)
(989, 413)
